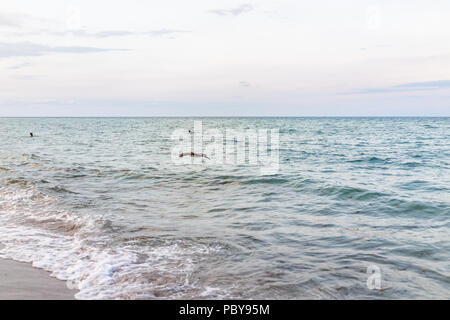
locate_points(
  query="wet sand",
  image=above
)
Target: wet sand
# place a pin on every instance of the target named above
(21, 281)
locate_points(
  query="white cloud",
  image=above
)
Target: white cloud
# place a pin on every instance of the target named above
(407, 87)
(81, 33)
(9, 20)
(244, 8)
(19, 66)
(26, 49)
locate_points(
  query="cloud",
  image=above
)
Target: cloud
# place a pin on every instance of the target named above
(28, 49)
(100, 34)
(438, 84)
(406, 87)
(120, 33)
(19, 66)
(244, 8)
(20, 20)
(163, 32)
(104, 34)
(9, 20)
(24, 77)
(26, 25)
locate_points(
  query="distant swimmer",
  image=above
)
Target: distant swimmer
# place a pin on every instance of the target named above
(190, 131)
(31, 134)
(200, 155)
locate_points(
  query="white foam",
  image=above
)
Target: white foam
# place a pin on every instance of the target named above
(73, 248)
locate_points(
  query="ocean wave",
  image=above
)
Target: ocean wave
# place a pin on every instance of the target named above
(78, 248)
(350, 193)
(370, 160)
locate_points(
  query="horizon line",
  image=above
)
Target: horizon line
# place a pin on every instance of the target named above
(271, 116)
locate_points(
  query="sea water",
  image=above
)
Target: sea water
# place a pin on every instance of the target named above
(359, 208)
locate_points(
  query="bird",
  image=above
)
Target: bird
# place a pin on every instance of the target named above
(192, 154)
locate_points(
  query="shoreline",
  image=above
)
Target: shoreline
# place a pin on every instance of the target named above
(22, 281)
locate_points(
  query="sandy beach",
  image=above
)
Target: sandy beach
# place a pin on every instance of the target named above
(20, 281)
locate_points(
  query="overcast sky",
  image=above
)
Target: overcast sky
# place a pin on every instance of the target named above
(231, 58)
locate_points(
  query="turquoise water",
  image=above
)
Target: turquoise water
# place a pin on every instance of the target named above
(99, 202)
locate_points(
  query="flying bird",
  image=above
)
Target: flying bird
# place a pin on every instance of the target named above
(192, 154)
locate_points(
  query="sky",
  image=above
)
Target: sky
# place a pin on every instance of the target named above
(225, 58)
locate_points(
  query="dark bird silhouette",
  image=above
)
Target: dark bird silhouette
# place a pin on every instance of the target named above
(201, 155)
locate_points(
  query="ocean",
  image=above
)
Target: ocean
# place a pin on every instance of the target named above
(357, 208)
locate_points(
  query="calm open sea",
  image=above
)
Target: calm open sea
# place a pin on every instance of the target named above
(99, 202)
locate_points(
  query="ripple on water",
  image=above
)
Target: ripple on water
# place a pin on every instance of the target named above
(98, 202)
